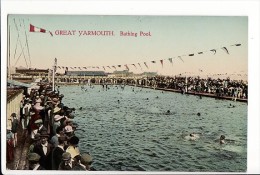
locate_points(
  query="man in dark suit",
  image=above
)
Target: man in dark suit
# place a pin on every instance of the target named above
(44, 150)
(57, 153)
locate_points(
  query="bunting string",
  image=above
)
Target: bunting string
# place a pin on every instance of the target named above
(127, 66)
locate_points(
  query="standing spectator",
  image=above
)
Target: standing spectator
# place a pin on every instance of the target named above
(15, 124)
(9, 145)
(44, 150)
(36, 141)
(55, 139)
(57, 153)
(33, 159)
(73, 148)
(67, 162)
(84, 163)
(26, 115)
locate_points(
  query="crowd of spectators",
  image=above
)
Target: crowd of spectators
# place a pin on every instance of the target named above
(219, 87)
(49, 124)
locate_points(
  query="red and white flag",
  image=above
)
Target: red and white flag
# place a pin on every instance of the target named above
(37, 29)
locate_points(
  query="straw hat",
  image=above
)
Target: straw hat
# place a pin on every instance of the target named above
(38, 121)
(68, 129)
(58, 117)
(56, 109)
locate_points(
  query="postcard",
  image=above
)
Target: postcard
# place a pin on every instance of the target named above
(127, 93)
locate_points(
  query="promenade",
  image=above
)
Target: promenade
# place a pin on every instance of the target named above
(20, 152)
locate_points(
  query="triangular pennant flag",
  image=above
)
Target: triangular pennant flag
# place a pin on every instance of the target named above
(161, 62)
(213, 50)
(180, 58)
(126, 67)
(170, 59)
(236, 45)
(145, 65)
(134, 65)
(224, 48)
(37, 29)
(140, 65)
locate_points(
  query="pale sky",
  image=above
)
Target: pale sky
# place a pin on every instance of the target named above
(171, 36)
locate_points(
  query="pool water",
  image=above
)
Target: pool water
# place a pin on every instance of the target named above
(130, 130)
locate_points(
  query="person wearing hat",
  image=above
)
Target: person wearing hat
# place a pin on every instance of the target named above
(57, 123)
(33, 159)
(39, 128)
(15, 124)
(84, 162)
(26, 115)
(57, 153)
(73, 148)
(36, 141)
(44, 149)
(69, 132)
(87, 161)
(9, 145)
(67, 162)
(55, 139)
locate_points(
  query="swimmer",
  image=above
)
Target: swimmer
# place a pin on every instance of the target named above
(80, 108)
(168, 112)
(192, 137)
(198, 114)
(157, 97)
(222, 139)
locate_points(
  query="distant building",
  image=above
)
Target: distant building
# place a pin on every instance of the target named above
(31, 71)
(124, 73)
(149, 74)
(85, 73)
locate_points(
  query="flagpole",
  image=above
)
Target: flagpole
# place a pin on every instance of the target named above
(53, 74)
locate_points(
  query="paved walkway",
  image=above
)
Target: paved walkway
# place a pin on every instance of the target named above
(20, 152)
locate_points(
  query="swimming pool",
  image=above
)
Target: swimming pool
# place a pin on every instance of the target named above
(130, 130)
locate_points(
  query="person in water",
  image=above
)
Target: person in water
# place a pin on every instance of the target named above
(192, 136)
(222, 139)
